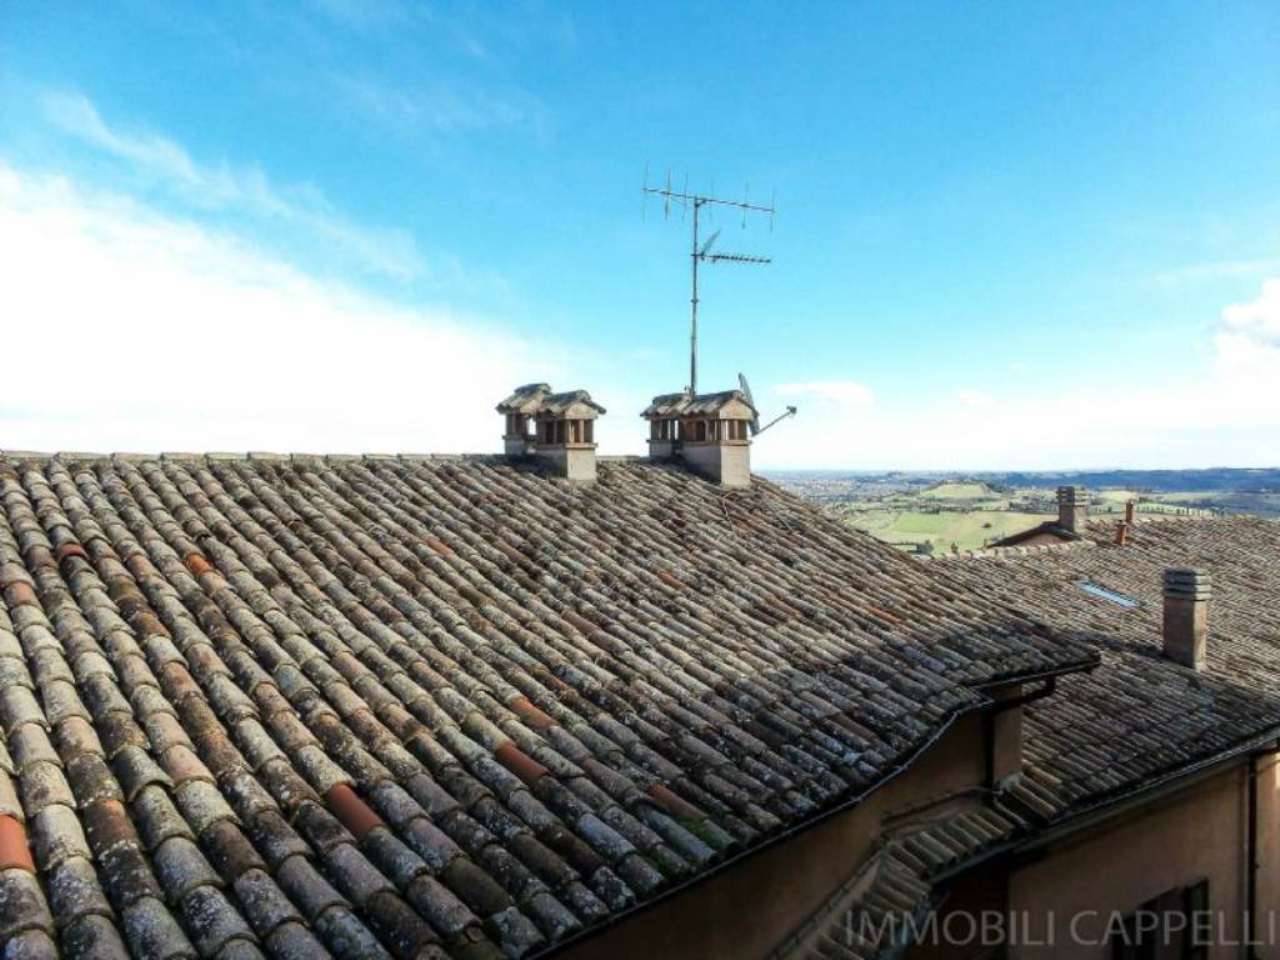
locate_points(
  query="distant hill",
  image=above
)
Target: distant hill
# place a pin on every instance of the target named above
(970, 509)
(1218, 479)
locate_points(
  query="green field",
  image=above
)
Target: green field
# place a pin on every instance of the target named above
(959, 491)
(973, 510)
(969, 531)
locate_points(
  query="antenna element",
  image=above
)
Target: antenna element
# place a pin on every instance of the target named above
(703, 254)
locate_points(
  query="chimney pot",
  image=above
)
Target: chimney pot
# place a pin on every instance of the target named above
(565, 429)
(1073, 508)
(1187, 592)
(709, 432)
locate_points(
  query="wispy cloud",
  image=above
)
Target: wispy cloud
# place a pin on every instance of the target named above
(443, 108)
(249, 191)
(137, 329)
(970, 397)
(844, 393)
(1197, 273)
(1224, 413)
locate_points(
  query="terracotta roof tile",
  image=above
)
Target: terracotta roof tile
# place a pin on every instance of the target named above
(529, 705)
(1140, 716)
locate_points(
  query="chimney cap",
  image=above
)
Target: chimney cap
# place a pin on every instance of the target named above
(560, 404)
(526, 399)
(533, 399)
(1072, 494)
(686, 404)
(1191, 583)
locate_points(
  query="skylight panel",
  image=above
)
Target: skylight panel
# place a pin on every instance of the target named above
(1112, 596)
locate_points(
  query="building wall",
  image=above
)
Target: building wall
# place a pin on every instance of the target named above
(727, 463)
(1268, 852)
(1196, 834)
(1117, 864)
(753, 905)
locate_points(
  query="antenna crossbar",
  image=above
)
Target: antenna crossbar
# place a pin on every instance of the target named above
(703, 254)
(733, 258)
(679, 196)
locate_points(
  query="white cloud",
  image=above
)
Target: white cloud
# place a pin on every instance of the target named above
(125, 329)
(1196, 273)
(1225, 414)
(841, 393)
(442, 108)
(1256, 323)
(249, 191)
(973, 398)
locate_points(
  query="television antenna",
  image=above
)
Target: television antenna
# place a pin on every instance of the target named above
(702, 252)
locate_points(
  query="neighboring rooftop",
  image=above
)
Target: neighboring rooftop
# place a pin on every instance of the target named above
(1135, 723)
(1140, 716)
(490, 707)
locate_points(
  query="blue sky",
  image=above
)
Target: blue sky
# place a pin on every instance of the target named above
(1009, 235)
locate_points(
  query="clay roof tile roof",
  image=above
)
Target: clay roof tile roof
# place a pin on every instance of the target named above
(1141, 716)
(385, 707)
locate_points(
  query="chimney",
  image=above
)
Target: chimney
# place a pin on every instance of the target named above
(1130, 511)
(1073, 509)
(564, 436)
(519, 409)
(709, 432)
(1186, 615)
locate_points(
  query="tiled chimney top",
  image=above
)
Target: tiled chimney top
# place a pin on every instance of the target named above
(564, 428)
(710, 432)
(1187, 592)
(1073, 508)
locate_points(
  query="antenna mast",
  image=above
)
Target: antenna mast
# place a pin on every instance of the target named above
(702, 254)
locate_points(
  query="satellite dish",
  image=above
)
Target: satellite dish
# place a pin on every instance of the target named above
(756, 429)
(746, 392)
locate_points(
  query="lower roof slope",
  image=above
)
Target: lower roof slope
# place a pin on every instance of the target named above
(1140, 716)
(413, 707)
(1135, 721)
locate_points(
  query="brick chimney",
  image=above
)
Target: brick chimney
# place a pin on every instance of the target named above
(1187, 592)
(564, 435)
(709, 432)
(1130, 511)
(1073, 508)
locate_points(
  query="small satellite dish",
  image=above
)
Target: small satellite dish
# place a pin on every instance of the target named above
(746, 392)
(756, 429)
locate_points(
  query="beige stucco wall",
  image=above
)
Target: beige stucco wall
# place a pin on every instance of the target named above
(1268, 896)
(727, 463)
(1197, 833)
(749, 908)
